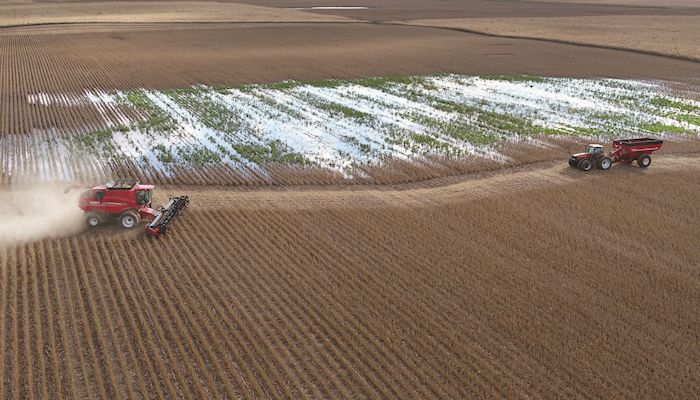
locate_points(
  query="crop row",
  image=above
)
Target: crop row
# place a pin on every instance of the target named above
(275, 302)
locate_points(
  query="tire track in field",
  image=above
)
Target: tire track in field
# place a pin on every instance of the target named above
(531, 177)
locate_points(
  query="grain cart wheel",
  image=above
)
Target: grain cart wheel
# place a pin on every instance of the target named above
(93, 219)
(604, 163)
(644, 161)
(129, 219)
(585, 165)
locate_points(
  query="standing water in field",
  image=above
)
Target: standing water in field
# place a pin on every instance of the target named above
(37, 213)
(344, 125)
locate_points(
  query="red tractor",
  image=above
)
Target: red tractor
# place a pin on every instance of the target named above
(624, 150)
(128, 202)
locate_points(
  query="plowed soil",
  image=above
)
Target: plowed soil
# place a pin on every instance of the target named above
(148, 12)
(543, 282)
(668, 35)
(387, 10)
(49, 60)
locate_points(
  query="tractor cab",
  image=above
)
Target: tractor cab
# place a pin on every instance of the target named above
(592, 151)
(595, 149)
(593, 156)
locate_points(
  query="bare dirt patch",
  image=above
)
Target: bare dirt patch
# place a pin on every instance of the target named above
(637, 3)
(149, 12)
(386, 10)
(45, 60)
(669, 35)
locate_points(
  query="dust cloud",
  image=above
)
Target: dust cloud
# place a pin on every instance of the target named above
(38, 212)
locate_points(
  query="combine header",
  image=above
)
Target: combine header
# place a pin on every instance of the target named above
(128, 201)
(166, 215)
(624, 150)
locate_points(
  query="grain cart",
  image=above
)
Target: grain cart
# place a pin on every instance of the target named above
(128, 201)
(624, 150)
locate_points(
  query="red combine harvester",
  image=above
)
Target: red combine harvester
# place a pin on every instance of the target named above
(624, 150)
(129, 202)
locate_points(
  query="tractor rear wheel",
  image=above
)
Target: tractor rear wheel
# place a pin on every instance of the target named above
(93, 219)
(604, 163)
(129, 219)
(585, 165)
(644, 161)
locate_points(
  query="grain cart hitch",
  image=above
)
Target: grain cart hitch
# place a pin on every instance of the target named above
(166, 215)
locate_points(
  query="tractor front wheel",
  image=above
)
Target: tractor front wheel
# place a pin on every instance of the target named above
(93, 219)
(585, 165)
(604, 163)
(644, 161)
(129, 219)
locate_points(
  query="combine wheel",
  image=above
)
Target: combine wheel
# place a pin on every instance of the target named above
(585, 165)
(644, 161)
(129, 219)
(604, 163)
(93, 219)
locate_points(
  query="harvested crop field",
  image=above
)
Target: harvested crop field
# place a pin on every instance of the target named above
(388, 10)
(667, 35)
(454, 292)
(377, 210)
(149, 12)
(657, 4)
(165, 56)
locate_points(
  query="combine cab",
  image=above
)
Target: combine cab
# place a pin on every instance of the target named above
(129, 202)
(624, 150)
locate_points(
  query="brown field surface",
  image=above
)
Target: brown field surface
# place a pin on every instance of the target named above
(527, 284)
(386, 10)
(466, 279)
(668, 35)
(59, 60)
(634, 3)
(149, 12)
